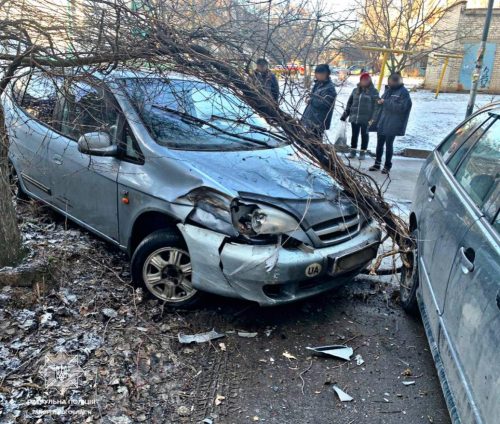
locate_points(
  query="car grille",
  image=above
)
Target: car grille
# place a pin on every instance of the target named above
(337, 230)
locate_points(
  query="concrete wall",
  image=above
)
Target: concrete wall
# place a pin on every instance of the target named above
(459, 26)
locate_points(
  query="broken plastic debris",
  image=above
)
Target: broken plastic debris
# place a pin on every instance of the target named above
(288, 355)
(247, 335)
(408, 383)
(222, 347)
(359, 359)
(200, 337)
(219, 399)
(338, 351)
(343, 396)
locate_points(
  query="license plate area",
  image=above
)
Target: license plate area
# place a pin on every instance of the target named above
(351, 261)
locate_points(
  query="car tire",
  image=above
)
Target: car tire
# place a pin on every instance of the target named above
(16, 184)
(408, 283)
(162, 265)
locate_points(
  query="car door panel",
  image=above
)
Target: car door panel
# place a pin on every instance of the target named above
(437, 244)
(469, 347)
(85, 186)
(443, 207)
(471, 317)
(29, 118)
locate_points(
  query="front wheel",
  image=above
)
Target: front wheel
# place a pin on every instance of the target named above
(162, 264)
(409, 279)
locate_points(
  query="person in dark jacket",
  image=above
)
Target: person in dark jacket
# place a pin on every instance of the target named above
(361, 109)
(395, 107)
(266, 79)
(319, 110)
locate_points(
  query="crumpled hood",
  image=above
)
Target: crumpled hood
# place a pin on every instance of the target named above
(276, 173)
(274, 176)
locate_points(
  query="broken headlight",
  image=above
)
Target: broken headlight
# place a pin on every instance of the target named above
(252, 219)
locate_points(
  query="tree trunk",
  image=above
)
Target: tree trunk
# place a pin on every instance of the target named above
(10, 236)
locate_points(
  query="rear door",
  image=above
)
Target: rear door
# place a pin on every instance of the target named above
(470, 337)
(85, 186)
(444, 218)
(31, 131)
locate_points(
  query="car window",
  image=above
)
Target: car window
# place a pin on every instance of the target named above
(37, 94)
(455, 140)
(131, 148)
(479, 172)
(87, 109)
(475, 135)
(496, 223)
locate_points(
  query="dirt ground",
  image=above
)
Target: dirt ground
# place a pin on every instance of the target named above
(132, 368)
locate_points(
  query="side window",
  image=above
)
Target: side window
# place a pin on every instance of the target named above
(37, 94)
(131, 151)
(496, 223)
(455, 140)
(87, 109)
(479, 172)
(456, 159)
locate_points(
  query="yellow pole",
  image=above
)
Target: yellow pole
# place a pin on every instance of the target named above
(441, 77)
(382, 69)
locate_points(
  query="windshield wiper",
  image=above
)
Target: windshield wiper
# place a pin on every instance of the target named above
(252, 126)
(194, 119)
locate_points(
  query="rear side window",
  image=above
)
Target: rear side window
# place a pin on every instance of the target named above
(37, 94)
(455, 140)
(479, 172)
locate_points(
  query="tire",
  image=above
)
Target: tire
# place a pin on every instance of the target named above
(162, 265)
(408, 283)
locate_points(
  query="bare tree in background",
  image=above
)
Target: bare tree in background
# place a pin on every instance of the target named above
(400, 24)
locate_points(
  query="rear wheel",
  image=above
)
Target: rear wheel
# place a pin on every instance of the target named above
(409, 279)
(162, 264)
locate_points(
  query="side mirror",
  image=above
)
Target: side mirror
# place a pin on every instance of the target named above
(97, 144)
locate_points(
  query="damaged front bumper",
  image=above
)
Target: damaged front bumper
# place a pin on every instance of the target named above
(270, 274)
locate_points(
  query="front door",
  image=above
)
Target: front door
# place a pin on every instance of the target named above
(445, 218)
(85, 187)
(470, 337)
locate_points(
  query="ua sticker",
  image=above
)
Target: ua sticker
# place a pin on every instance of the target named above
(313, 270)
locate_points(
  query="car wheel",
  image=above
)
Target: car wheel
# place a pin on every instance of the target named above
(15, 184)
(409, 279)
(162, 264)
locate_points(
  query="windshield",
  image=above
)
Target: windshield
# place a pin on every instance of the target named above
(193, 115)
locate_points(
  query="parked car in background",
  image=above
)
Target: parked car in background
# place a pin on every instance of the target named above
(190, 181)
(454, 280)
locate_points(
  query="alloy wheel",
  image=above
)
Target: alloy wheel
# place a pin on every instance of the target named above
(167, 274)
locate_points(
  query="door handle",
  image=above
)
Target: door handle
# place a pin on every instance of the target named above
(432, 192)
(467, 257)
(57, 159)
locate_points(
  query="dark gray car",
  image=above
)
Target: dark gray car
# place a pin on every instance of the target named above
(455, 279)
(186, 178)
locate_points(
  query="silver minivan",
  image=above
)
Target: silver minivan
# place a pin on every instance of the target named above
(190, 181)
(455, 278)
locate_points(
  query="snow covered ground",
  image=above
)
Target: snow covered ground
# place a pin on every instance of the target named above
(430, 120)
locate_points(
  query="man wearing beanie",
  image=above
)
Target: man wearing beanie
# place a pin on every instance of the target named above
(361, 109)
(318, 113)
(395, 106)
(266, 79)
